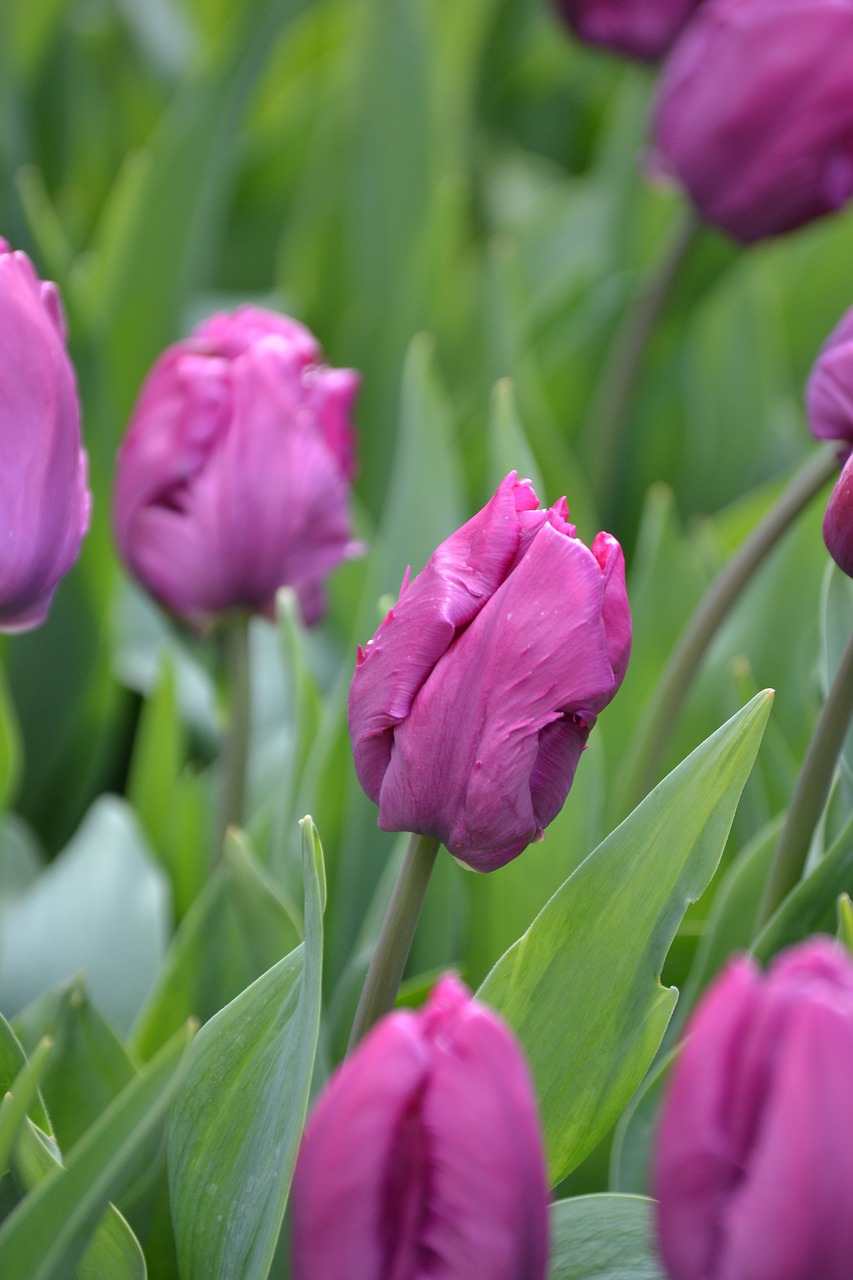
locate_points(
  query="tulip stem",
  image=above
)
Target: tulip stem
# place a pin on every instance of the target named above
(235, 747)
(617, 382)
(392, 948)
(659, 720)
(811, 791)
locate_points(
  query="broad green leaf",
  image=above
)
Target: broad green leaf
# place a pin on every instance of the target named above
(158, 753)
(13, 1059)
(236, 1126)
(604, 1238)
(113, 1253)
(236, 929)
(581, 987)
(630, 1156)
(89, 1067)
(21, 1098)
(102, 906)
(48, 1233)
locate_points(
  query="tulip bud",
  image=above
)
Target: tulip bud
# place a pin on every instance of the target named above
(754, 114)
(423, 1157)
(233, 479)
(637, 28)
(829, 393)
(471, 705)
(754, 1164)
(45, 500)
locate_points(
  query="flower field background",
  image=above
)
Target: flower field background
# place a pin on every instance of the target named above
(453, 198)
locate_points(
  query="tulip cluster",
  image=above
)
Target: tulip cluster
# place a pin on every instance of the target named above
(471, 705)
(754, 1165)
(233, 479)
(423, 1156)
(44, 498)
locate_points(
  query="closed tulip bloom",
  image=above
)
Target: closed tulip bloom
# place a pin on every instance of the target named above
(754, 1165)
(423, 1158)
(44, 499)
(233, 479)
(755, 116)
(470, 707)
(829, 393)
(637, 28)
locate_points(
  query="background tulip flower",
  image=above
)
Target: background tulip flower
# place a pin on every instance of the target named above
(754, 114)
(44, 499)
(233, 479)
(829, 401)
(423, 1158)
(471, 705)
(638, 28)
(754, 1165)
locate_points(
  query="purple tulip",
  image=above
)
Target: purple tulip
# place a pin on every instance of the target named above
(44, 499)
(829, 393)
(754, 1164)
(471, 705)
(755, 116)
(637, 28)
(423, 1158)
(233, 479)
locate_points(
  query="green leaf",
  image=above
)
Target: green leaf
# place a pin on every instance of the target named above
(113, 1253)
(844, 932)
(10, 744)
(236, 929)
(581, 987)
(47, 1234)
(101, 906)
(509, 449)
(12, 1060)
(20, 1099)
(158, 753)
(236, 1126)
(604, 1238)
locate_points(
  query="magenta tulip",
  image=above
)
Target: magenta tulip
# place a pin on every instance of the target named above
(755, 116)
(637, 28)
(470, 707)
(44, 499)
(423, 1158)
(829, 393)
(754, 1165)
(233, 479)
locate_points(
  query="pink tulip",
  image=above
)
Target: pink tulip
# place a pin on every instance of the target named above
(755, 116)
(423, 1159)
(44, 499)
(754, 1165)
(233, 479)
(637, 28)
(471, 705)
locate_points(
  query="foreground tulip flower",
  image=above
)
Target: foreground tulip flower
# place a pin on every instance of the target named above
(44, 499)
(754, 115)
(423, 1158)
(754, 1165)
(637, 28)
(233, 479)
(470, 707)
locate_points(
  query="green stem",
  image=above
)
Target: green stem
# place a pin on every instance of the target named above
(659, 720)
(395, 937)
(609, 416)
(235, 749)
(812, 789)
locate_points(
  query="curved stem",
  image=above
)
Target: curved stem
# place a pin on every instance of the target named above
(658, 722)
(235, 749)
(618, 380)
(812, 789)
(395, 937)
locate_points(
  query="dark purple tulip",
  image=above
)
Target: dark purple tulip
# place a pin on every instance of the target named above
(233, 479)
(755, 115)
(44, 499)
(754, 1164)
(637, 28)
(829, 394)
(423, 1160)
(471, 705)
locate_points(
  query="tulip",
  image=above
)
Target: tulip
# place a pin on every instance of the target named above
(423, 1158)
(755, 116)
(233, 479)
(44, 501)
(637, 28)
(829, 393)
(754, 1165)
(471, 705)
